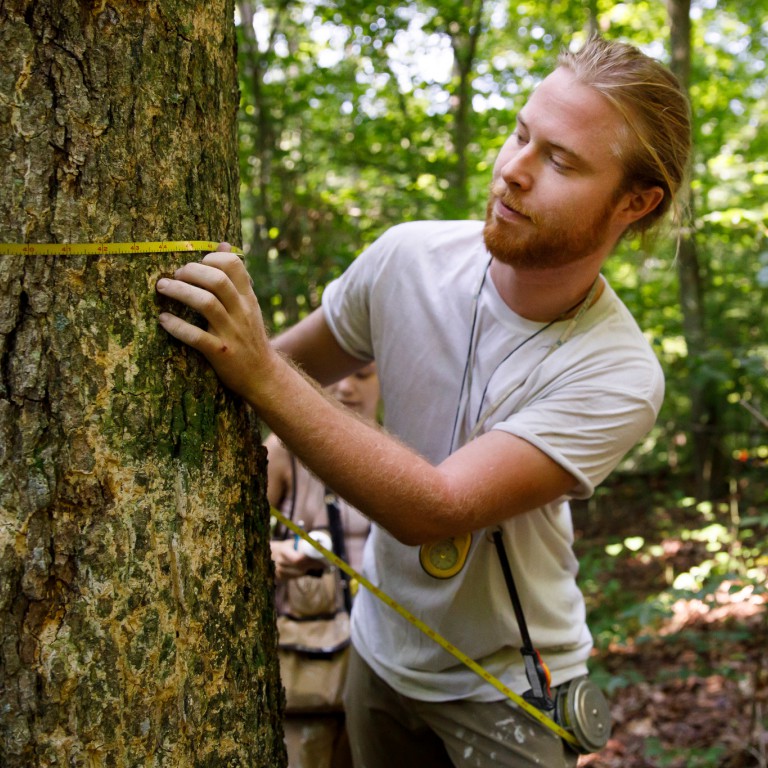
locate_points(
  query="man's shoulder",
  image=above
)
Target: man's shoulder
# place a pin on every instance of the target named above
(419, 244)
(427, 232)
(619, 323)
(612, 346)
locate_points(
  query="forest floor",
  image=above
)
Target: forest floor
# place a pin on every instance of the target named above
(686, 670)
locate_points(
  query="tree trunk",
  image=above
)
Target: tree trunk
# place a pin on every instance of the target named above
(465, 30)
(136, 615)
(708, 457)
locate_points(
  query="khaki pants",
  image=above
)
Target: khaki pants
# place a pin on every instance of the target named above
(316, 741)
(387, 729)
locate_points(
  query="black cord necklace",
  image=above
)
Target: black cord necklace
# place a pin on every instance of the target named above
(504, 360)
(583, 304)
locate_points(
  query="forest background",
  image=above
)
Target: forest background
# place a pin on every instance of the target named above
(357, 115)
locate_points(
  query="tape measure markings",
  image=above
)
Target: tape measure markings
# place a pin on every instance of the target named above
(97, 249)
(429, 632)
(85, 249)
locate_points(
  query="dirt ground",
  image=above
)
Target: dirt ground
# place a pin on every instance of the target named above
(693, 691)
(701, 700)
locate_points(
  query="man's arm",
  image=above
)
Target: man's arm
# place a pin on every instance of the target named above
(489, 480)
(312, 346)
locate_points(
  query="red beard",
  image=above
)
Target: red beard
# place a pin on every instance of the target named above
(540, 241)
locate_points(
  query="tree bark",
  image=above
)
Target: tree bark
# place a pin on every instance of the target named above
(136, 612)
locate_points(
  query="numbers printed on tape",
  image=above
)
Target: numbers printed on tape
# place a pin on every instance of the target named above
(101, 249)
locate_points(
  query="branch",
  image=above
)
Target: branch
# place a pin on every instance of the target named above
(759, 416)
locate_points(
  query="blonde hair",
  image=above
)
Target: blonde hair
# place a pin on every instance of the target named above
(656, 110)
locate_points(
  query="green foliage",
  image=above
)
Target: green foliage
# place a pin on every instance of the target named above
(653, 598)
(349, 124)
(730, 555)
(357, 115)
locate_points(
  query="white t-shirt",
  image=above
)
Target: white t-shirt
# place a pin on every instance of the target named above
(409, 303)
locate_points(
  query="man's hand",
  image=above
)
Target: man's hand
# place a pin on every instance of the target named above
(235, 342)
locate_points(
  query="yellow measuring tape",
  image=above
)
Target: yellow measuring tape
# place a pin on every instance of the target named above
(94, 249)
(165, 246)
(428, 631)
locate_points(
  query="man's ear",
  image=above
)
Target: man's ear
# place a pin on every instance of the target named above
(637, 203)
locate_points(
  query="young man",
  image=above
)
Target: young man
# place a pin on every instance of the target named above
(513, 379)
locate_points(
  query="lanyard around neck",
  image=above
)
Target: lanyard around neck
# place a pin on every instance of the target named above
(466, 382)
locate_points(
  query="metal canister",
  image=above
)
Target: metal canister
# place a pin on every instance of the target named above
(583, 710)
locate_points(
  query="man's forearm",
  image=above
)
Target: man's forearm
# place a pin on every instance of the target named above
(312, 346)
(373, 471)
(489, 480)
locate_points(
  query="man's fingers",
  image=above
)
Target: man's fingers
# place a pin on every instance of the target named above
(235, 341)
(233, 266)
(189, 334)
(205, 280)
(205, 300)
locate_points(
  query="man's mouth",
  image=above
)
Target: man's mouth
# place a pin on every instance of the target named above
(509, 210)
(506, 207)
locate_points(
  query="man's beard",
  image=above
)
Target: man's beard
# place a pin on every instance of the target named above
(542, 243)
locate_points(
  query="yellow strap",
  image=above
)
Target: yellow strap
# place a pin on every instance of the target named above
(85, 249)
(429, 632)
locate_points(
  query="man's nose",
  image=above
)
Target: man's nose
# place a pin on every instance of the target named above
(517, 170)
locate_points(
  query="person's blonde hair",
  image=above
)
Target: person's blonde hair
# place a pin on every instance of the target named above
(656, 110)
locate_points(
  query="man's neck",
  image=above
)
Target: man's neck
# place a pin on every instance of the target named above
(546, 295)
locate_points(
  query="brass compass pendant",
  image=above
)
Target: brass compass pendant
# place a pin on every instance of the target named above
(445, 558)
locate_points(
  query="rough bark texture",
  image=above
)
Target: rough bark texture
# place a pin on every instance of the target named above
(136, 613)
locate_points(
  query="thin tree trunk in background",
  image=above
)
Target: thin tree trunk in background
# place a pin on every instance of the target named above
(592, 26)
(465, 31)
(705, 414)
(136, 613)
